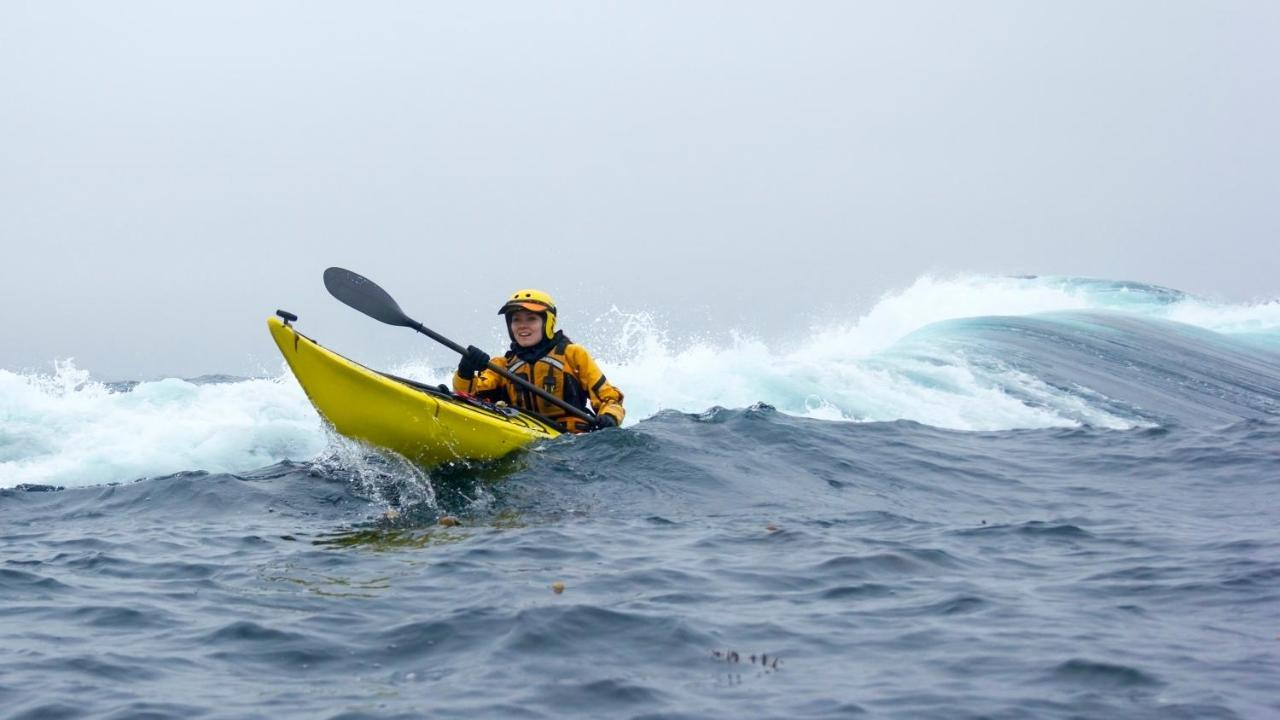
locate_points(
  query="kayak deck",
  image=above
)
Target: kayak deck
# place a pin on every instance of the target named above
(426, 425)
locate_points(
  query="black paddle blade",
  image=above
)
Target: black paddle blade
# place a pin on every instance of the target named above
(364, 295)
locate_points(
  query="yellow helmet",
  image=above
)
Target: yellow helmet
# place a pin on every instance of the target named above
(533, 301)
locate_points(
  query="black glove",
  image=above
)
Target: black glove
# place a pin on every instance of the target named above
(605, 421)
(473, 361)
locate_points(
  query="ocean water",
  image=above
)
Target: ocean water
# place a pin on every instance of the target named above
(987, 498)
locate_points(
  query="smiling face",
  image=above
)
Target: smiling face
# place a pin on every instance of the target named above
(526, 327)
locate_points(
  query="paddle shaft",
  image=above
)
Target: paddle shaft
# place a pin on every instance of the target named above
(576, 412)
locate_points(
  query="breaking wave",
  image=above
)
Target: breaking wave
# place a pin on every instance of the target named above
(971, 353)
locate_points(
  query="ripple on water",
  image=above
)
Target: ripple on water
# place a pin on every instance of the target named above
(908, 563)
(157, 711)
(962, 604)
(245, 641)
(50, 711)
(1033, 530)
(1094, 676)
(107, 565)
(615, 693)
(112, 667)
(30, 585)
(108, 618)
(861, 591)
(458, 632)
(578, 629)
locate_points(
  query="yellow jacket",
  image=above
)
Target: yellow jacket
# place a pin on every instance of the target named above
(565, 370)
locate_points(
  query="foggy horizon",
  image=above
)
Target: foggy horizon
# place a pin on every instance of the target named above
(173, 174)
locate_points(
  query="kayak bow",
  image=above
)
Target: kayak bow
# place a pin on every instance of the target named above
(427, 425)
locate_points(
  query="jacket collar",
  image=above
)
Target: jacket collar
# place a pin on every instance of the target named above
(539, 351)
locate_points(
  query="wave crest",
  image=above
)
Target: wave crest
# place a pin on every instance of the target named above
(962, 353)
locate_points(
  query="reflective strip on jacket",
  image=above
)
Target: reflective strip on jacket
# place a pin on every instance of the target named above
(566, 372)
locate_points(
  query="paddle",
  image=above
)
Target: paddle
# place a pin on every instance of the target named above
(363, 294)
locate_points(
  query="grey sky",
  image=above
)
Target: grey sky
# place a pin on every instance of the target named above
(172, 172)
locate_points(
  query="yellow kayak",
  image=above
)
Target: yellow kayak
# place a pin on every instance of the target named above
(424, 424)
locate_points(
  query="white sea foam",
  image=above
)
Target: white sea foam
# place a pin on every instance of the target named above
(852, 371)
(931, 299)
(1257, 318)
(822, 380)
(61, 428)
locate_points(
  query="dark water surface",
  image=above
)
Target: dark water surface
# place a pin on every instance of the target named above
(733, 563)
(738, 563)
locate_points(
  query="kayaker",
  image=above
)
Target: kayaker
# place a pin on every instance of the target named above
(548, 359)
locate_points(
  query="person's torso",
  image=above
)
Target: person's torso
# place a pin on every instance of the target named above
(554, 374)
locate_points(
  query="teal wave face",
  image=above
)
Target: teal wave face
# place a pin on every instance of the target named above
(1118, 293)
(1147, 370)
(887, 366)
